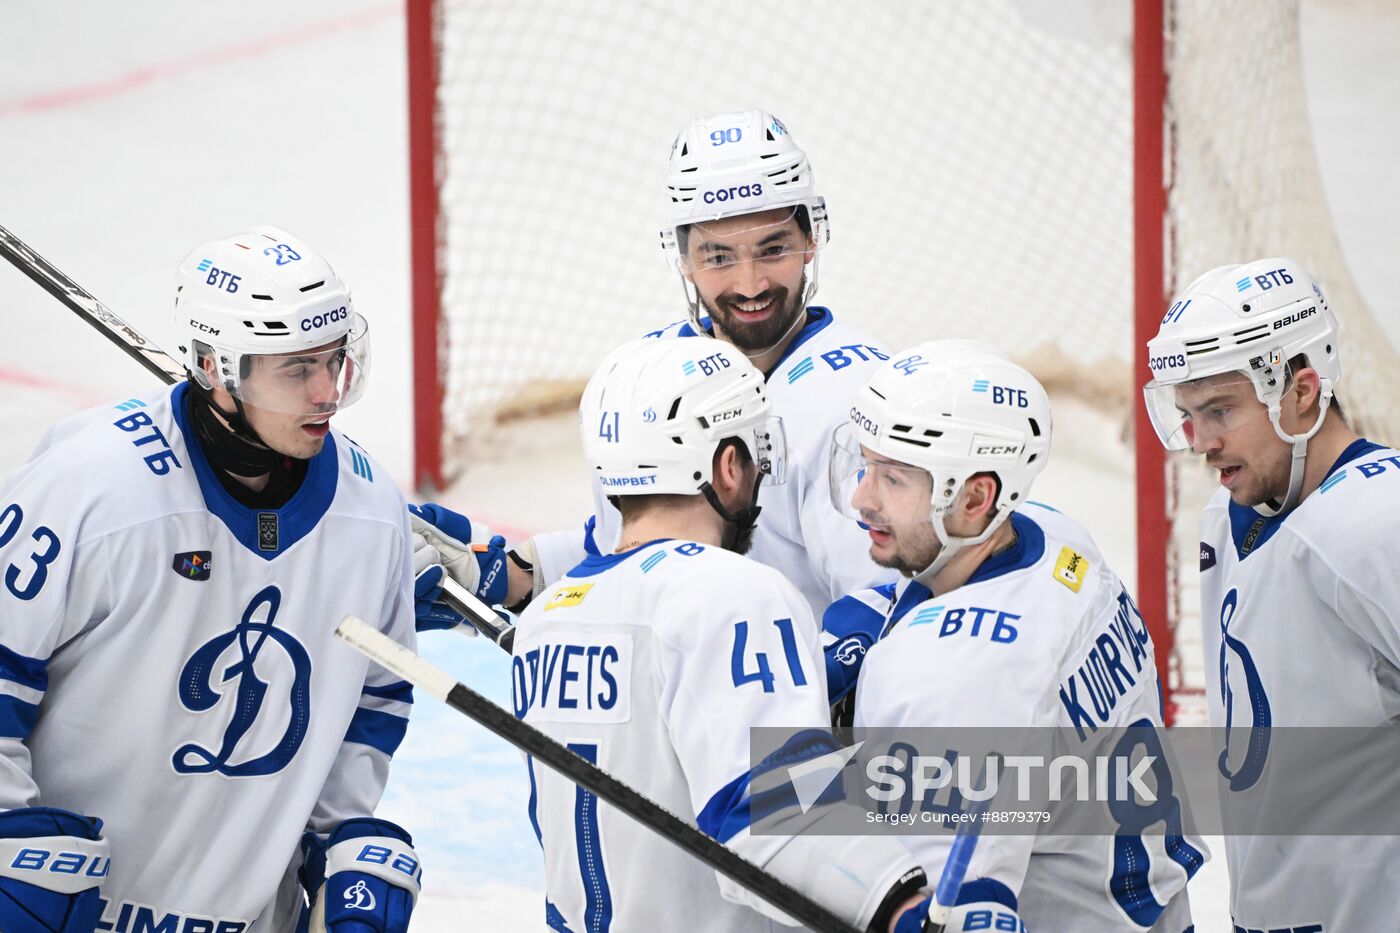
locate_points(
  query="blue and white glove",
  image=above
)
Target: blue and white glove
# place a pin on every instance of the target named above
(442, 543)
(364, 878)
(986, 916)
(850, 626)
(52, 864)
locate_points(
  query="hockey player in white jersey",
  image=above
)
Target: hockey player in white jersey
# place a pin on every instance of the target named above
(656, 660)
(1299, 595)
(744, 228)
(181, 733)
(1003, 607)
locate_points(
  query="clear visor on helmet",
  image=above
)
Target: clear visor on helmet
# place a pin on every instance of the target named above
(316, 381)
(768, 240)
(1191, 415)
(876, 491)
(770, 450)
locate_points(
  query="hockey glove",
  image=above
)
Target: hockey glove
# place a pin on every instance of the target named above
(982, 915)
(52, 864)
(441, 538)
(364, 878)
(850, 626)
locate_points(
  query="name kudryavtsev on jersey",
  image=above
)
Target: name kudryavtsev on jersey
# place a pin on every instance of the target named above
(1301, 620)
(1050, 608)
(822, 553)
(168, 662)
(636, 662)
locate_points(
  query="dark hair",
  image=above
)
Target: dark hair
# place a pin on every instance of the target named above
(632, 507)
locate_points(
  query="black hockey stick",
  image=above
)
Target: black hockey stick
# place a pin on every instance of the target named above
(169, 371)
(394, 657)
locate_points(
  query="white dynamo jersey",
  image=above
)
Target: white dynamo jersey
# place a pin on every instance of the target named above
(1043, 634)
(822, 553)
(168, 663)
(1301, 621)
(653, 664)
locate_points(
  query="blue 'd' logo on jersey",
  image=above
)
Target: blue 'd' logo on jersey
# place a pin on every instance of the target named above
(253, 638)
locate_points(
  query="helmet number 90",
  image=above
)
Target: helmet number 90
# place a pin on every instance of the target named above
(731, 135)
(282, 253)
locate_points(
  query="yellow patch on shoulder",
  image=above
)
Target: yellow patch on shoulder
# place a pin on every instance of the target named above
(568, 596)
(1071, 568)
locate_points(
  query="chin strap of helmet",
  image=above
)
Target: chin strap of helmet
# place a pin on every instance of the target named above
(228, 439)
(738, 526)
(950, 544)
(1299, 461)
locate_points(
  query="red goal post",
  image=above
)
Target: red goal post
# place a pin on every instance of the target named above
(1039, 175)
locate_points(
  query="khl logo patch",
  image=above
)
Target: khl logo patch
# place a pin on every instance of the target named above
(193, 565)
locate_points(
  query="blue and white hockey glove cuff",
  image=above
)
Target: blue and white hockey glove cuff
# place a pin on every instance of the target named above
(52, 864)
(989, 916)
(372, 878)
(472, 556)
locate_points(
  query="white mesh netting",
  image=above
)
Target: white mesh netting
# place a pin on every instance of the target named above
(975, 155)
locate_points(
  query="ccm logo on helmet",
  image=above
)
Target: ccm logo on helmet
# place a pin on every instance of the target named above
(201, 326)
(864, 422)
(1170, 361)
(1295, 318)
(321, 320)
(724, 416)
(737, 191)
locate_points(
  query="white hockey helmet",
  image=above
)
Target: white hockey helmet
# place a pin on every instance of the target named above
(949, 409)
(266, 293)
(734, 164)
(1250, 320)
(655, 411)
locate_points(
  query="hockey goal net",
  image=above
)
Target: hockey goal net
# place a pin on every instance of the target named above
(978, 162)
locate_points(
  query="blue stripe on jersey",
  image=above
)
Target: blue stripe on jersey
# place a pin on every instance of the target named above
(17, 718)
(377, 729)
(597, 911)
(1250, 530)
(295, 520)
(402, 691)
(27, 672)
(534, 805)
(914, 594)
(595, 564)
(731, 808)
(1028, 549)
(818, 319)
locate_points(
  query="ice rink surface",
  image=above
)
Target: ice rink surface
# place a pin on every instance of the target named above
(132, 132)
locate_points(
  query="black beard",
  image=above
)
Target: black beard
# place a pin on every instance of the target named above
(736, 538)
(761, 335)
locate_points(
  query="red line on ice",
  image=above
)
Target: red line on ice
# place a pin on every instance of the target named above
(111, 87)
(80, 394)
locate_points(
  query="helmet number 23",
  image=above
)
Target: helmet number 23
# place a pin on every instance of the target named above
(282, 253)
